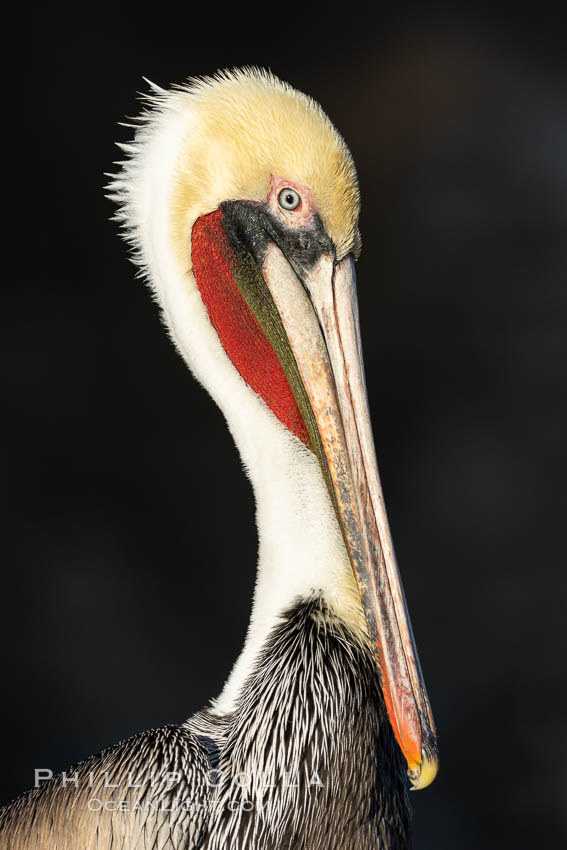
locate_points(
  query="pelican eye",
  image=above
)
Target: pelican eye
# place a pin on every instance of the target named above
(289, 199)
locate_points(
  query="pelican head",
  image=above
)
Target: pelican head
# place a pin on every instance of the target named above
(241, 202)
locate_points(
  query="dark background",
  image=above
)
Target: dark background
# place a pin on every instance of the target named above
(129, 541)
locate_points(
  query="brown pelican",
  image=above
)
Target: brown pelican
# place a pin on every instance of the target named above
(241, 202)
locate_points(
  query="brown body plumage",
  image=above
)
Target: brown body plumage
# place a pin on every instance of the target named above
(307, 761)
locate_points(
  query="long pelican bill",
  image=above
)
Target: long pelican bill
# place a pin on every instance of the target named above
(323, 331)
(306, 304)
